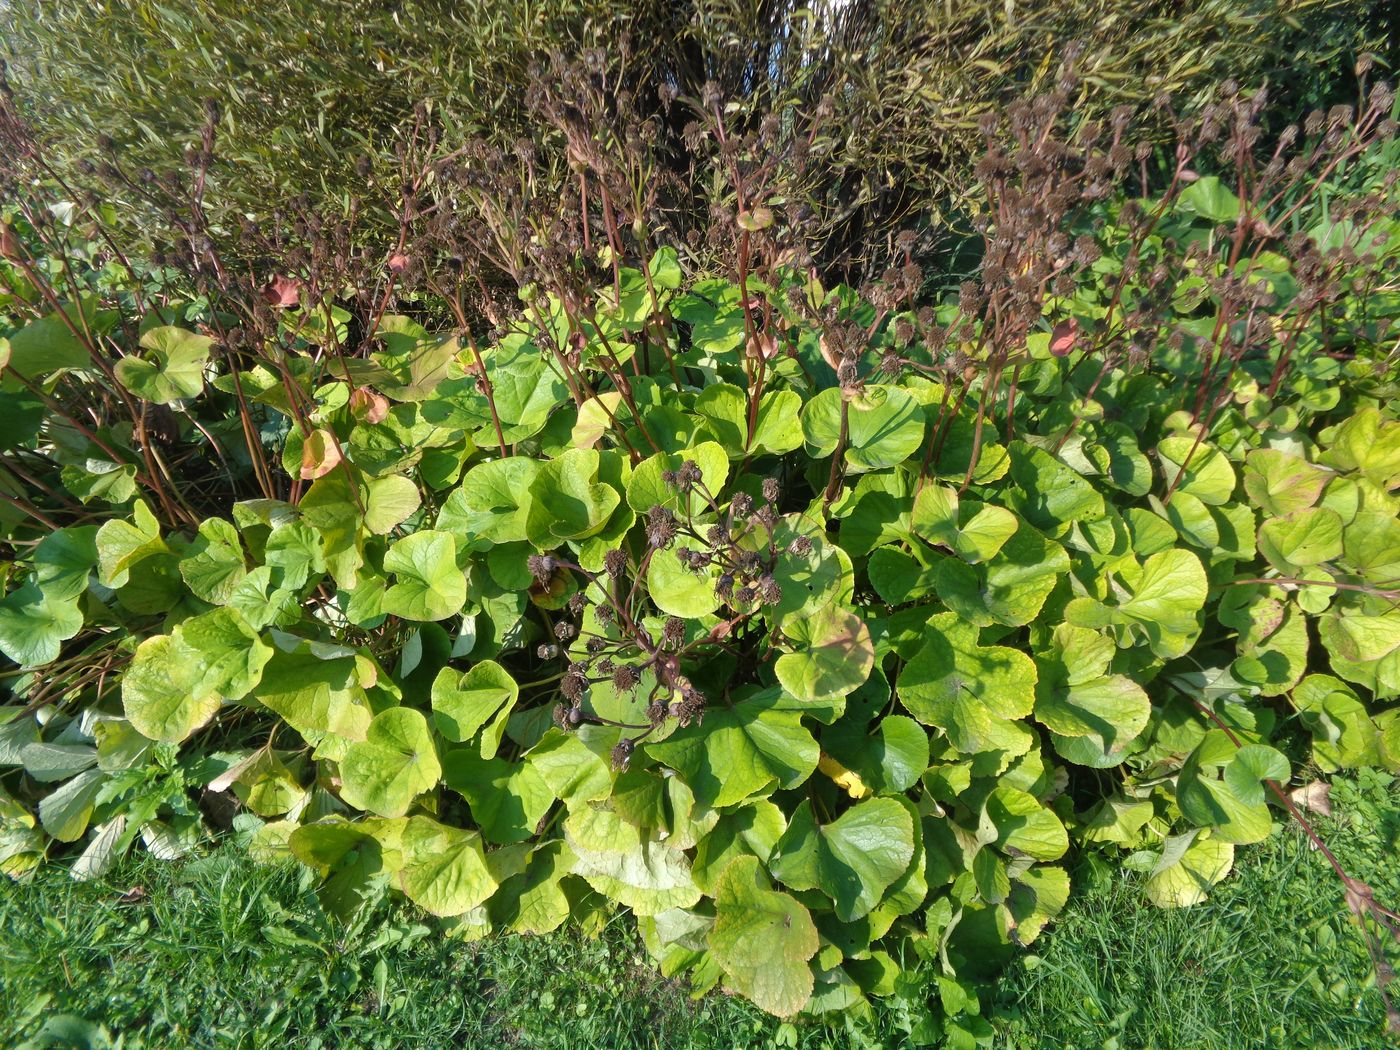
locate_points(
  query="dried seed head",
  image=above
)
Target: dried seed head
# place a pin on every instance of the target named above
(661, 527)
(625, 678)
(674, 631)
(622, 754)
(771, 490)
(541, 567)
(573, 685)
(615, 562)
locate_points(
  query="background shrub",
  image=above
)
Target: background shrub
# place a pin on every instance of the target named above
(312, 97)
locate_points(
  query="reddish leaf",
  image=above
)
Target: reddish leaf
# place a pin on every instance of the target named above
(367, 406)
(319, 455)
(1063, 338)
(282, 291)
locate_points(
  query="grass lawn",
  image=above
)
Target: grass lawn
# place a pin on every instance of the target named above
(216, 952)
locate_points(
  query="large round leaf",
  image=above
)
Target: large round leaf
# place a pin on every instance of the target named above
(463, 702)
(34, 625)
(884, 426)
(393, 765)
(172, 367)
(970, 691)
(567, 502)
(762, 939)
(444, 870)
(853, 859)
(834, 658)
(739, 751)
(429, 584)
(176, 682)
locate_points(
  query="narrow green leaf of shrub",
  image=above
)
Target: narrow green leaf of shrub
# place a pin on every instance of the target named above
(65, 812)
(762, 939)
(47, 762)
(852, 860)
(393, 765)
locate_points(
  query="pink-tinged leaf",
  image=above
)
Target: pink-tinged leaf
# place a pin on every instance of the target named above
(319, 455)
(1063, 338)
(398, 262)
(368, 406)
(9, 245)
(282, 291)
